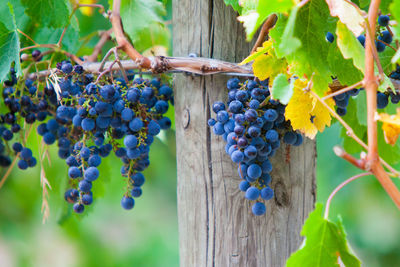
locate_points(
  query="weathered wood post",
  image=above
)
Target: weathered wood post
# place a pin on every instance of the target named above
(216, 226)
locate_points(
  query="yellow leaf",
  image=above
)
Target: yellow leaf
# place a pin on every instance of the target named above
(87, 10)
(391, 126)
(259, 51)
(305, 112)
(268, 66)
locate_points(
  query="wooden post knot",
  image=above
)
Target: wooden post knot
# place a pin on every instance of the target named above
(159, 64)
(185, 118)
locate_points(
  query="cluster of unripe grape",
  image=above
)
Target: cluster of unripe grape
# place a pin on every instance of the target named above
(253, 125)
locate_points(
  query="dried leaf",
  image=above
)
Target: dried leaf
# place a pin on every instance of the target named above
(348, 14)
(390, 127)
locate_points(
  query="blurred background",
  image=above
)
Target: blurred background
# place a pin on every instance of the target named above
(107, 235)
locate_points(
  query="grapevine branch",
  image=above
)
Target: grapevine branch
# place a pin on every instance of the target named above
(351, 133)
(268, 24)
(328, 202)
(104, 38)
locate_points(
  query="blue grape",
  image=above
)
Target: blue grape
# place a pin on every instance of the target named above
(244, 185)
(254, 171)
(127, 202)
(382, 100)
(329, 37)
(383, 20)
(267, 193)
(136, 192)
(252, 193)
(74, 172)
(258, 208)
(237, 156)
(79, 208)
(87, 199)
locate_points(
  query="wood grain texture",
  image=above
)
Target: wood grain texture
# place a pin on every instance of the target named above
(216, 226)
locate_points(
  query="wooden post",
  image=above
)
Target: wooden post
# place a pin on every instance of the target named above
(216, 226)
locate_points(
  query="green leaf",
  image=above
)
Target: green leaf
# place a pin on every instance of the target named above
(9, 45)
(361, 101)
(51, 13)
(235, 5)
(70, 41)
(282, 89)
(352, 120)
(290, 43)
(385, 58)
(309, 26)
(254, 14)
(325, 244)
(350, 46)
(143, 20)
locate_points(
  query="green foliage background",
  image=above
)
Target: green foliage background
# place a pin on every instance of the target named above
(107, 235)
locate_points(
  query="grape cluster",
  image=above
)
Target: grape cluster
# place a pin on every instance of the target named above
(383, 37)
(342, 100)
(252, 125)
(88, 121)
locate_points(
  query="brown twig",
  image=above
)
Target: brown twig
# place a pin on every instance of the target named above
(268, 24)
(105, 36)
(387, 44)
(27, 36)
(101, 7)
(328, 202)
(371, 86)
(343, 90)
(3, 180)
(340, 152)
(54, 46)
(370, 37)
(350, 132)
(122, 41)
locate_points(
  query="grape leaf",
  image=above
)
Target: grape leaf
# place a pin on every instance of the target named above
(70, 41)
(348, 14)
(390, 126)
(260, 50)
(268, 66)
(235, 5)
(282, 89)
(309, 26)
(325, 244)
(305, 112)
(351, 119)
(255, 13)
(361, 110)
(290, 43)
(391, 154)
(385, 58)
(9, 45)
(143, 20)
(51, 13)
(350, 46)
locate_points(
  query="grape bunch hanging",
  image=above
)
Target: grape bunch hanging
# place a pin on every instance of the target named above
(87, 120)
(383, 39)
(253, 125)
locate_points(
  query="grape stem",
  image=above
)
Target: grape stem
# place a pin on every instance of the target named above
(371, 85)
(350, 132)
(328, 202)
(3, 180)
(105, 36)
(343, 90)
